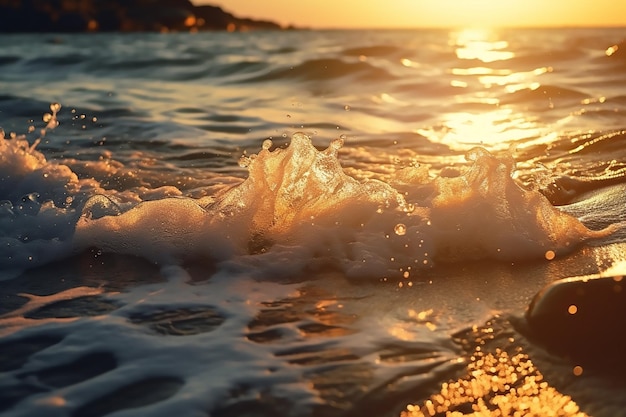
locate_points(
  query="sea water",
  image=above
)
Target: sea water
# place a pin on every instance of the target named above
(303, 222)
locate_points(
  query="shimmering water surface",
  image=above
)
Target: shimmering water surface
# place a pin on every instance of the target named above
(305, 223)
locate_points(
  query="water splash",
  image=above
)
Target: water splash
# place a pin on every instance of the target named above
(298, 204)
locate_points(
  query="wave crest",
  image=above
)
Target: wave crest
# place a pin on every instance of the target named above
(298, 200)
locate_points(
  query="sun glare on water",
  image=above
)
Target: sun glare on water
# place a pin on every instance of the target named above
(482, 78)
(480, 44)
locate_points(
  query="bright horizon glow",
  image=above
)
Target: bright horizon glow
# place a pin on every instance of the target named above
(430, 13)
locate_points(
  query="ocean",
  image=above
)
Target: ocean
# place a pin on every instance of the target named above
(313, 223)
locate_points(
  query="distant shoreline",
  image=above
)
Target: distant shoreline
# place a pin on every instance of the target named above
(29, 16)
(132, 16)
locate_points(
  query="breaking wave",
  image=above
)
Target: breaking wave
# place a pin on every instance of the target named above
(297, 205)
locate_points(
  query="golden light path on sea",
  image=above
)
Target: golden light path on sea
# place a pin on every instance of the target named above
(488, 124)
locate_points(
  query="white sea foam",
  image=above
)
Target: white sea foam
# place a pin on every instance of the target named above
(299, 200)
(296, 200)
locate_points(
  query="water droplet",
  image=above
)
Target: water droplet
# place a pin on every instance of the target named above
(346, 107)
(550, 255)
(400, 229)
(267, 143)
(30, 197)
(55, 107)
(47, 117)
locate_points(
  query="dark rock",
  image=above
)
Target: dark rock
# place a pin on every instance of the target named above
(583, 319)
(118, 15)
(213, 17)
(72, 22)
(109, 20)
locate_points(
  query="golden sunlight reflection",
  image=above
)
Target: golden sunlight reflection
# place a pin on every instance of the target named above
(409, 63)
(18, 319)
(407, 330)
(481, 86)
(515, 80)
(480, 44)
(496, 129)
(611, 50)
(52, 401)
(401, 332)
(486, 47)
(497, 382)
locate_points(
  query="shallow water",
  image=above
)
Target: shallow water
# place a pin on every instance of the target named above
(303, 223)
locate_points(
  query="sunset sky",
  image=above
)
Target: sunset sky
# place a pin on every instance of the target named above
(429, 13)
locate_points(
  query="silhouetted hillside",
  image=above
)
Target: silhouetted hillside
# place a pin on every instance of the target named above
(119, 15)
